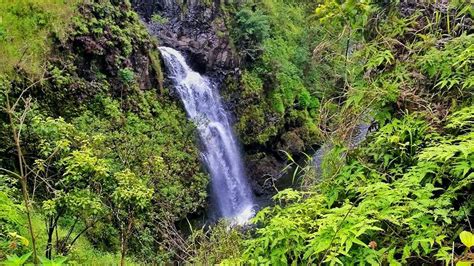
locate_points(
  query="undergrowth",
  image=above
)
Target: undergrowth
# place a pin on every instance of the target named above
(26, 28)
(405, 194)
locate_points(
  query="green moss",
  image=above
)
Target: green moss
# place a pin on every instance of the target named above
(278, 103)
(25, 31)
(253, 126)
(108, 49)
(156, 66)
(157, 18)
(252, 85)
(273, 34)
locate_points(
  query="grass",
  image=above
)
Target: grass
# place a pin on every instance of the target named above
(26, 31)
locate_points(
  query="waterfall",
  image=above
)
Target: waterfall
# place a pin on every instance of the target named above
(230, 188)
(360, 134)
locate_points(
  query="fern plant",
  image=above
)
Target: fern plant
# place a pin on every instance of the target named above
(373, 210)
(452, 66)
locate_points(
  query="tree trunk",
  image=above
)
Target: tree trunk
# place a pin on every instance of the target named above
(123, 248)
(49, 243)
(53, 223)
(124, 239)
(23, 180)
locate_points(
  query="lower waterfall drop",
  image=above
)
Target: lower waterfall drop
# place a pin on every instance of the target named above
(230, 188)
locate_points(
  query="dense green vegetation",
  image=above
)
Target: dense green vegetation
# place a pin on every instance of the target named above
(93, 146)
(24, 32)
(405, 194)
(279, 84)
(99, 165)
(405, 206)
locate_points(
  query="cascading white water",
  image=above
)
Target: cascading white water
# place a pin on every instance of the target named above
(220, 152)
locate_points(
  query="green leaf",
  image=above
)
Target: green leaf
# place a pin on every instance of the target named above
(54, 262)
(467, 238)
(14, 260)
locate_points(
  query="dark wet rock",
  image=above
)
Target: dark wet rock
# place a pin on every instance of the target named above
(195, 28)
(264, 172)
(291, 142)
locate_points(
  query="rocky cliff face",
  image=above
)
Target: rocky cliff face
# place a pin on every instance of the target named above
(194, 27)
(107, 51)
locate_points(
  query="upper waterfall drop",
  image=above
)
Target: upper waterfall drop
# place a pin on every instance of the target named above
(230, 188)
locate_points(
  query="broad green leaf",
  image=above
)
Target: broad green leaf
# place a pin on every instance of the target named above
(467, 238)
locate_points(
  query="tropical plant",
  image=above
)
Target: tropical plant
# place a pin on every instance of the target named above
(58, 261)
(14, 260)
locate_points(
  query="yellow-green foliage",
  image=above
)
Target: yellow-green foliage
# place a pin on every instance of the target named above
(451, 67)
(405, 194)
(373, 213)
(82, 253)
(26, 27)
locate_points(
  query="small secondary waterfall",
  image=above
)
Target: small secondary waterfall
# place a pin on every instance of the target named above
(361, 132)
(230, 187)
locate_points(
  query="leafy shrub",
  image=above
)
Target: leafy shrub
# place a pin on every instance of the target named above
(461, 120)
(15, 260)
(216, 244)
(347, 13)
(396, 144)
(127, 75)
(11, 222)
(451, 67)
(252, 27)
(367, 215)
(54, 262)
